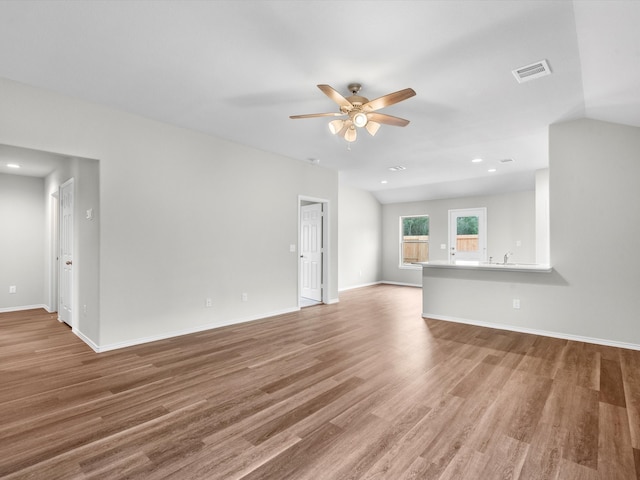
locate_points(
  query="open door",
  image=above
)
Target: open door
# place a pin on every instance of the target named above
(65, 313)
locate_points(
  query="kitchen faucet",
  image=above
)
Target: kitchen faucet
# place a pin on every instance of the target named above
(506, 257)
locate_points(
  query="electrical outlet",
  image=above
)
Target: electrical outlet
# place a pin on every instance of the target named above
(516, 303)
(245, 297)
(12, 289)
(208, 303)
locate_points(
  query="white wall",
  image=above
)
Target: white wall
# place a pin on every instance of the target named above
(87, 245)
(592, 294)
(360, 238)
(22, 241)
(183, 217)
(510, 218)
(543, 239)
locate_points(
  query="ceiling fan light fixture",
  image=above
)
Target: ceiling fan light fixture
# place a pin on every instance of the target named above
(351, 134)
(335, 126)
(360, 111)
(360, 119)
(372, 128)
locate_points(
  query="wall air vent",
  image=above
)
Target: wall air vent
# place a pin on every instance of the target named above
(531, 72)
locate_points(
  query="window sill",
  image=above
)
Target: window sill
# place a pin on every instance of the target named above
(414, 266)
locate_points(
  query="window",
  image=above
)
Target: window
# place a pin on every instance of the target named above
(414, 239)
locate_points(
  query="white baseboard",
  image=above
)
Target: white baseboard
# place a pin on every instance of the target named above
(86, 340)
(359, 286)
(402, 284)
(21, 308)
(332, 300)
(188, 331)
(381, 282)
(534, 331)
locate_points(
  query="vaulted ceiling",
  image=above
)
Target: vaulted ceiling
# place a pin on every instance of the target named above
(238, 69)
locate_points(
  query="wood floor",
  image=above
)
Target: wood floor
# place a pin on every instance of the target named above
(363, 389)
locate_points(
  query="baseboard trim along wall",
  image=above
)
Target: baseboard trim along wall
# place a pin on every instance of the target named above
(352, 287)
(402, 284)
(23, 307)
(178, 333)
(86, 340)
(544, 333)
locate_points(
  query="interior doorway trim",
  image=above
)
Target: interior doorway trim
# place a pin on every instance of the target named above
(52, 304)
(326, 251)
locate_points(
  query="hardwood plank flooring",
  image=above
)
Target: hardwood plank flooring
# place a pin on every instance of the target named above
(363, 389)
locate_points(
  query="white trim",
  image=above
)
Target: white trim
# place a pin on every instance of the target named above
(188, 331)
(326, 247)
(85, 339)
(534, 331)
(23, 307)
(359, 286)
(402, 284)
(331, 301)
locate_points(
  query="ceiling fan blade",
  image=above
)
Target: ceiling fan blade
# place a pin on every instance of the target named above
(313, 115)
(335, 96)
(388, 119)
(390, 99)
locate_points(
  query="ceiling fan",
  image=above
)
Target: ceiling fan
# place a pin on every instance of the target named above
(360, 111)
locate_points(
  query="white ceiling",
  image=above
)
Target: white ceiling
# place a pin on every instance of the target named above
(238, 69)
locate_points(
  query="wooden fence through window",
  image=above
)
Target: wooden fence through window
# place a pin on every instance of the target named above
(415, 248)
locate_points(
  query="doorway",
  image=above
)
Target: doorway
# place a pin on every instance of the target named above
(313, 251)
(66, 228)
(468, 234)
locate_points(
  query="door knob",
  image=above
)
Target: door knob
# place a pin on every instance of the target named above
(68, 262)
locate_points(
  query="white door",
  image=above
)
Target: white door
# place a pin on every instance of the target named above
(311, 251)
(468, 234)
(66, 253)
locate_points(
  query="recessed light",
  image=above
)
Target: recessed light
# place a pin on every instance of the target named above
(476, 160)
(384, 181)
(491, 170)
(397, 168)
(13, 165)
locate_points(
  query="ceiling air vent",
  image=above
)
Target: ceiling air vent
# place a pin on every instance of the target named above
(530, 72)
(506, 160)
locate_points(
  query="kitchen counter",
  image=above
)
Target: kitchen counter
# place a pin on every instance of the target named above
(474, 265)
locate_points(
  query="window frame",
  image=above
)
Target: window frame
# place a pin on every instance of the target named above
(401, 242)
